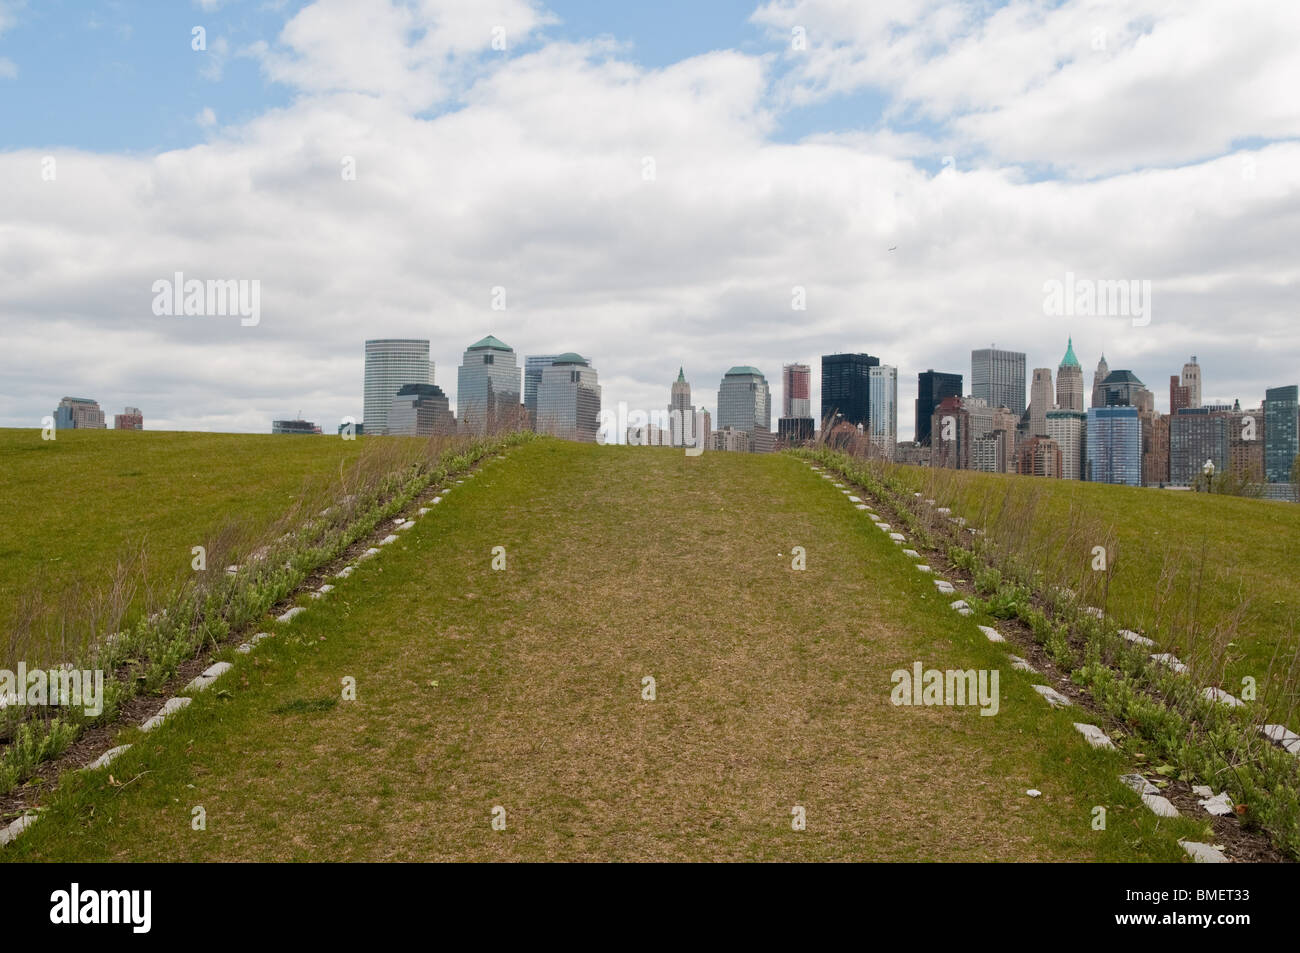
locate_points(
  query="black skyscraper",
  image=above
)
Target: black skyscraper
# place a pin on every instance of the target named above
(931, 388)
(846, 387)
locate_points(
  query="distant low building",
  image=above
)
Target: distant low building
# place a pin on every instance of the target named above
(912, 453)
(78, 413)
(294, 427)
(794, 431)
(129, 419)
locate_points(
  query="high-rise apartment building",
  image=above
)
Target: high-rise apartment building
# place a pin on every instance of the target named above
(1041, 400)
(932, 387)
(78, 413)
(998, 378)
(1196, 434)
(568, 399)
(129, 419)
(1069, 382)
(1039, 456)
(1114, 445)
(744, 401)
(420, 410)
(391, 363)
(1281, 431)
(1246, 439)
(1069, 430)
(1192, 381)
(487, 388)
(846, 388)
(1155, 448)
(883, 426)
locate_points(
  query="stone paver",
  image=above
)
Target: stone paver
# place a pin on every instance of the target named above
(170, 707)
(992, 634)
(1219, 695)
(1096, 737)
(1164, 658)
(291, 614)
(1021, 665)
(210, 675)
(107, 758)
(1282, 735)
(1052, 696)
(1136, 639)
(1219, 805)
(16, 827)
(1203, 853)
(961, 607)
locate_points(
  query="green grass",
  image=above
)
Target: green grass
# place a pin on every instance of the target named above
(522, 688)
(1182, 566)
(75, 507)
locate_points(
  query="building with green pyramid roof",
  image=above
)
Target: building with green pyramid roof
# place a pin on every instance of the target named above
(488, 388)
(1069, 381)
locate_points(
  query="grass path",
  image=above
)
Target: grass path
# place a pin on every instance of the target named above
(522, 688)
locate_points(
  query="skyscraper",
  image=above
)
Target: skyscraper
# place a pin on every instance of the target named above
(795, 388)
(1192, 381)
(390, 363)
(998, 378)
(932, 387)
(568, 399)
(1040, 401)
(1114, 445)
(487, 387)
(1069, 382)
(883, 427)
(533, 365)
(744, 401)
(419, 410)
(1280, 432)
(681, 412)
(1098, 391)
(78, 413)
(846, 388)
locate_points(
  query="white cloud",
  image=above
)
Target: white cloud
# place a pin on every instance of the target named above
(8, 68)
(1087, 86)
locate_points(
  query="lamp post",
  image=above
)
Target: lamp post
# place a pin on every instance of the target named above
(1208, 469)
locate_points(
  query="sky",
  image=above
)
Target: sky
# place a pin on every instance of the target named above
(652, 185)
